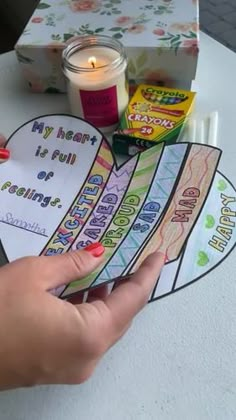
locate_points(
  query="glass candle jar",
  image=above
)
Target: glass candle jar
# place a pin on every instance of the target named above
(95, 69)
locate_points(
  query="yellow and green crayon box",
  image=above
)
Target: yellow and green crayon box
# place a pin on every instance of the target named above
(154, 114)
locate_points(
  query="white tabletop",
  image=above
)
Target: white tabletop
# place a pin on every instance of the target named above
(178, 359)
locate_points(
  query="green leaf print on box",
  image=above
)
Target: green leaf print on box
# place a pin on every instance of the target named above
(86, 30)
(66, 37)
(23, 59)
(140, 70)
(51, 19)
(56, 37)
(26, 32)
(142, 59)
(43, 6)
(188, 41)
(166, 8)
(52, 90)
(82, 30)
(138, 66)
(109, 8)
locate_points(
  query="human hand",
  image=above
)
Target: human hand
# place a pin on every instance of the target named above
(45, 340)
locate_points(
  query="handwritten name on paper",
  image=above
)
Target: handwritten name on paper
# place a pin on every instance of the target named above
(32, 227)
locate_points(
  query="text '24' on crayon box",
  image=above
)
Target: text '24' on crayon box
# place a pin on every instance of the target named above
(154, 114)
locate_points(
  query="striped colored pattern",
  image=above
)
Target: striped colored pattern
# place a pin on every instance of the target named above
(102, 165)
(159, 193)
(139, 186)
(171, 235)
(116, 184)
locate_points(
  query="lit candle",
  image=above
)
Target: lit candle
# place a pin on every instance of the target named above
(95, 68)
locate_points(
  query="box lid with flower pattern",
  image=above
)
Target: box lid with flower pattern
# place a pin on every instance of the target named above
(161, 38)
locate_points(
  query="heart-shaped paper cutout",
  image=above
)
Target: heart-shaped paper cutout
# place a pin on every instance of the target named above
(62, 190)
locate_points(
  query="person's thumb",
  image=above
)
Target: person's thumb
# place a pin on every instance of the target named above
(51, 272)
(65, 268)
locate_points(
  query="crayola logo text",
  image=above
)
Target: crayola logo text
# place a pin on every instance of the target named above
(161, 92)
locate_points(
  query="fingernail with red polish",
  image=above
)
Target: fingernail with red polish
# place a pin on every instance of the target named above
(4, 155)
(96, 249)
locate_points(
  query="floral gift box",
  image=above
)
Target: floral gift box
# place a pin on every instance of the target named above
(161, 38)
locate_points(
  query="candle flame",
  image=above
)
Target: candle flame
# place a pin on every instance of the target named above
(92, 61)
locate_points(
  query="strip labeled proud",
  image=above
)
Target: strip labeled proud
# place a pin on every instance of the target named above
(126, 213)
(107, 206)
(150, 213)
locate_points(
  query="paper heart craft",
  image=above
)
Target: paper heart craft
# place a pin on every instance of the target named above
(62, 190)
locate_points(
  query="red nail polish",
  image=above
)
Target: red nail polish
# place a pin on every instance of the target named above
(4, 155)
(96, 249)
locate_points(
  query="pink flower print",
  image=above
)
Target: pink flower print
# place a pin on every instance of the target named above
(84, 5)
(136, 29)
(37, 19)
(191, 46)
(159, 78)
(53, 52)
(124, 20)
(185, 27)
(181, 27)
(159, 31)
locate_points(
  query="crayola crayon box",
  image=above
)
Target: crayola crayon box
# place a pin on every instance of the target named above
(154, 114)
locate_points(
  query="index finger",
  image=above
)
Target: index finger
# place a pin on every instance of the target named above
(129, 298)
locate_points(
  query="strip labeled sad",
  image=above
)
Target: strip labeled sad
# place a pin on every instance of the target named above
(186, 204)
